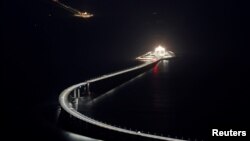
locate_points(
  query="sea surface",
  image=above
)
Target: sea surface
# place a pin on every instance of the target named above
(177, 98)
(46, 49)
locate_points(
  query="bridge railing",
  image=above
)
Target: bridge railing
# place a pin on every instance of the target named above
(67, 97)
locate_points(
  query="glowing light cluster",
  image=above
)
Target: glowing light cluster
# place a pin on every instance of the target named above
(83, 15)
(160, 51)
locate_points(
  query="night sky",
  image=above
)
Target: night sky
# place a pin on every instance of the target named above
(42, 43)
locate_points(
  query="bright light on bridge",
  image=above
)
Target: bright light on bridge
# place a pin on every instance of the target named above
(160, 51)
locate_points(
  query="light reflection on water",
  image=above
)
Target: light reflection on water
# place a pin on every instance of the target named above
(114, 90)
(129, 98)
(75, 137)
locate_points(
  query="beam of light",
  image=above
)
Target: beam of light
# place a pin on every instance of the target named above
(76, 12)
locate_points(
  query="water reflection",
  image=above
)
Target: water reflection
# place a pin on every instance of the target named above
(151, 100)
(113, 91)
(164, 67)
(76, 137)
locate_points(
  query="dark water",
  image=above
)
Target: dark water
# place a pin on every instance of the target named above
(174, 100)
(46, 49)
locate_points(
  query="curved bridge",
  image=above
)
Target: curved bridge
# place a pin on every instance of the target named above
(75, 91)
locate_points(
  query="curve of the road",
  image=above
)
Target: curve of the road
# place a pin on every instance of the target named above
(65, 104)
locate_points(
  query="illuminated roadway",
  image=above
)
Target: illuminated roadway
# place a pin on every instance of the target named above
(65, 104)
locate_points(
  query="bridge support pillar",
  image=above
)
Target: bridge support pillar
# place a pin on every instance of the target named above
(87, 88)
(78, 92)
(74, 95)
(84, 89)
